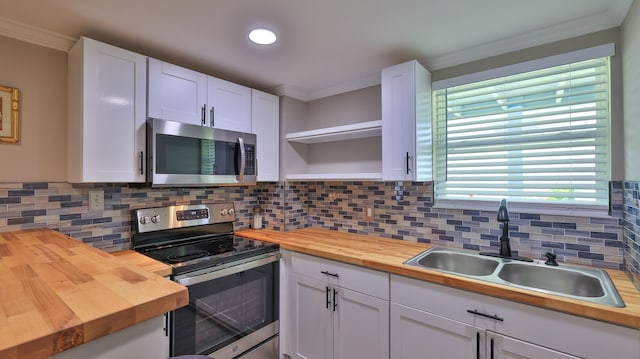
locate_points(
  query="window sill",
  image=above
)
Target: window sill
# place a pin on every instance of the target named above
(570, 210)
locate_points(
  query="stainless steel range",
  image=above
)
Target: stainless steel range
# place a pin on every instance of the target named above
(233, 282)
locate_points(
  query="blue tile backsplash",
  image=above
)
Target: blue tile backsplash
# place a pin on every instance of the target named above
(401, 210)
(632, 231)
(404, 210)
(64, 207)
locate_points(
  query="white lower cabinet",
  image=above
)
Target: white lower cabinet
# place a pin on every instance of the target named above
(333, 314)
(416, 334)
(503, 347)
(434, 321)
(143, 340)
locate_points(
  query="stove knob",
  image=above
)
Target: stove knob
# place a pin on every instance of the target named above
(155, 218)
(231, 211)
(223, 212)
(144, 220)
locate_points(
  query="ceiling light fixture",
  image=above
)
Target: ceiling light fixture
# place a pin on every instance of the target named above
(262, 36)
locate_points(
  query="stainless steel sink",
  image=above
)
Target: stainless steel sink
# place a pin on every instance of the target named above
(456, 262)
(551, 279)
(588, 284)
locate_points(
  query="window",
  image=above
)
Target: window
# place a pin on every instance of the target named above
(540, 136)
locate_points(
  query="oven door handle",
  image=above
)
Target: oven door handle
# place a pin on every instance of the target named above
(229, 269)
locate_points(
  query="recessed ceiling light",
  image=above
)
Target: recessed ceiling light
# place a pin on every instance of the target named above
(262, 36)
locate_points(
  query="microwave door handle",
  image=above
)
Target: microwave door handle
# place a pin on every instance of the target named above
(242, 159)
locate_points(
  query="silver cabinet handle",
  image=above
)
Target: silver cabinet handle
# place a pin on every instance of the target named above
(212, 116)
(243, 159)
(202, 115)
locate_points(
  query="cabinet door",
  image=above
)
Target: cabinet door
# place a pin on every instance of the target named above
(265, 123)
(229, 105)
(502, 347)
(176, 93)
(406, 122)
(143, 340)
(420, 335)
(398, 122)
(106, 104)
(361, 325)
(311, 318)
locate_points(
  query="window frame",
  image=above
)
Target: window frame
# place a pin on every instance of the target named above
(553, 208)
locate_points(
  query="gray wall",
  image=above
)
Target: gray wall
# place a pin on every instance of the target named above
(631, 85)
(41, 76)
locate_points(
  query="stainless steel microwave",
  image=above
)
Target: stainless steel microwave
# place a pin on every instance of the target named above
(187, 155)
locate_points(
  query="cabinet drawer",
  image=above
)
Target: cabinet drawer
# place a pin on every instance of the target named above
(363, 280)
(570, 334)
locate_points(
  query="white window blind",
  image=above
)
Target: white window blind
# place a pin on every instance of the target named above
(535, 137)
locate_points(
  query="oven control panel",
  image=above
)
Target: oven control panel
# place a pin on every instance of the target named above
(162, 218)
(191, 214)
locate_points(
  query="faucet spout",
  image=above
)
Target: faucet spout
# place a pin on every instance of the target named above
(505, 246)
(503, 216)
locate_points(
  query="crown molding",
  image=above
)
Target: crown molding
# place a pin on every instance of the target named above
(347, 86)
(35, 35)
(352, 85)
(290, 91)
(598, 22)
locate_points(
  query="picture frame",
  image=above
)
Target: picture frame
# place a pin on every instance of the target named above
(9, 114)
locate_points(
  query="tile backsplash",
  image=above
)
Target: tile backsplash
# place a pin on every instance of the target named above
(632, 231)
(64, 207)
(400, 210)
(404, 210)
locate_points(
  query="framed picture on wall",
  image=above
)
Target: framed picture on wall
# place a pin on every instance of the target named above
(9, 114)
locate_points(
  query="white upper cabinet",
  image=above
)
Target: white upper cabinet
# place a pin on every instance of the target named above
(265, 123)
(107, 113)
(177, 93)
(180, 94)
(229, 105)
(406, 122)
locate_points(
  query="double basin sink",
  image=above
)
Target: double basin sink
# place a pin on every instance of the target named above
(581, 283)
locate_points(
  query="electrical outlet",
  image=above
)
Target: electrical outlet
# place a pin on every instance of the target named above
(369, 213)
(96, 200)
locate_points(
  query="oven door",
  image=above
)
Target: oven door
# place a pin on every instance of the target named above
(231, 310)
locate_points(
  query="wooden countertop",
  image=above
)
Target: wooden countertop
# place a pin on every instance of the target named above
(389, 254)
(57, 293)
(144, 262)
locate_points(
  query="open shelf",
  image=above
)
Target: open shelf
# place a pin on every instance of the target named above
(334, 176)
(338, 133)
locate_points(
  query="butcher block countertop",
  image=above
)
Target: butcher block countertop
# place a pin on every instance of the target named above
(57, 293)
(144, 262)
(389, 254)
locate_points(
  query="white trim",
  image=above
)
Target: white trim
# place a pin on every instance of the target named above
(566, 210)
(374, 176)
(347, 86)
(352, 85)
(35, 35)
(537, 64)
(615, 14)
(289, 91)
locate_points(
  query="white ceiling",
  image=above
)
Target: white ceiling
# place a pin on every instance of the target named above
(324, 46)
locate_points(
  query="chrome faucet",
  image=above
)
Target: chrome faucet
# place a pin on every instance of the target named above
(503, 216)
